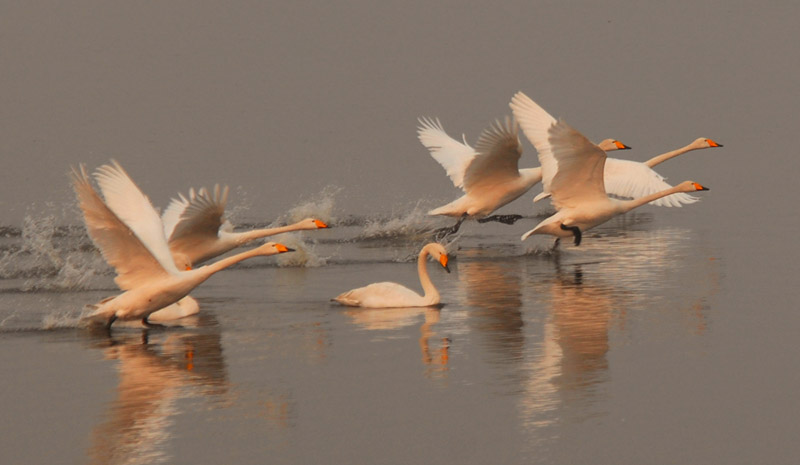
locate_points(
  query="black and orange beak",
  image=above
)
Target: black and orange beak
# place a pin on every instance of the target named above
(443, 261)
(621, 146)
(282, 248)
(320, 224)
(714, 144)
(700, 188)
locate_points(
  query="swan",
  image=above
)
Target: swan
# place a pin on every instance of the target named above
(488, 174)
(388, 294)
(572, 172)
(128, 232)
(633, 179)
(196, 227)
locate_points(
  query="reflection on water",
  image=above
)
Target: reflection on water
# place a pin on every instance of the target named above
(434, 358)
(571, 359)
(491, 289)
(156, 369)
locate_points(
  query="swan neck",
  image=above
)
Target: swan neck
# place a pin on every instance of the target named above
(248, 236)
(629, 205)
(430, 292)
(220, 265)
(666, 156)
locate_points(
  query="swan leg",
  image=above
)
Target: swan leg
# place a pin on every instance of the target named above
(151, 325)
(111, 321)
(505, 219)
(575, 231)
(441, 233)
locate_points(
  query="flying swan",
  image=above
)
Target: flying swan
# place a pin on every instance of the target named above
(488, 174)
(196, 228)
(130, 236)
(572, 172)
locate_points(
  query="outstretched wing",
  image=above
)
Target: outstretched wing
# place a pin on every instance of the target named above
(630, 179)
(572, 166)
(131, 206)
(454, 156)
(120, 247)
(497, 160)
(202, 218)
(172, 214)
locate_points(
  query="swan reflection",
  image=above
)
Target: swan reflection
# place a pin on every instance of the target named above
(155, 369)
(435, 351)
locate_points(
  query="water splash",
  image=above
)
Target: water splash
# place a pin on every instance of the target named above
(319, 206)
(412, 224)
(51, 257)
(305, 254)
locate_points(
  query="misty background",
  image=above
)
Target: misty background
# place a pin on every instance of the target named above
(281, 99)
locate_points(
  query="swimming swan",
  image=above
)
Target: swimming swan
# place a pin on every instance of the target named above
(388, 294)
(129, 234)
(573, 171)
(488, 174)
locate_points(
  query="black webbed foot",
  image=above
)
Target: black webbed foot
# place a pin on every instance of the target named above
(505, 219)
(575, 232)
(441, 233)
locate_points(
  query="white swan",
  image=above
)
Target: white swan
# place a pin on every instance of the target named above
(129, 234)
(196, 227)
(633, 179)
(488, 174)
(389, 294)
(572, 172)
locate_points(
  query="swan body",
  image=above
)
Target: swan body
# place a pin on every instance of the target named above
(488, 174)
(573, 174)
(389, 294)
(195, 226)
(129, 233)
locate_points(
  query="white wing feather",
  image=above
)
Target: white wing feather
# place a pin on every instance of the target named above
(203, 216)
(572, 166)
(131, 206)
(120, 247)
(631, 179)
(498, 151)
(172, 214)
(454, 156)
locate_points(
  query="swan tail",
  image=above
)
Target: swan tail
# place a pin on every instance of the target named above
(345, 299)
(541, 196)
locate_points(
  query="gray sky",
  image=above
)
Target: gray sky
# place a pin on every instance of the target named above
(285, 98)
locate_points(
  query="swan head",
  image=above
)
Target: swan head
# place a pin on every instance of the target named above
(182, 261)
(312, 223)
(609, 145)
(439, 254)
(273, 248)
(691, 186)
(705, 143)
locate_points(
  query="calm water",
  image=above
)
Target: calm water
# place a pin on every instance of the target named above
(668, 337)
(633, 348)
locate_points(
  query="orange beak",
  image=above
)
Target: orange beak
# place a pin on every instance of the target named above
(712, 143)
(282, 248)
(621, 146)
(700, 188)
(443, 261)
(320, 224)
(188, 267)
